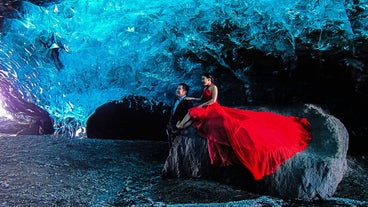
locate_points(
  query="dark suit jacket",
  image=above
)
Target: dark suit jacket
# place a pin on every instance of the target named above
(180, 112)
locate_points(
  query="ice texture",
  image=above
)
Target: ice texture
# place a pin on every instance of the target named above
(72, 56)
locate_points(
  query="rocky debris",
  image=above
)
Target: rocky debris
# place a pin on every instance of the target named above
(61, 171)
(313, 174)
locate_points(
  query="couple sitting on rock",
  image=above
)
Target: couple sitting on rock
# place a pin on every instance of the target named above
(259, 140)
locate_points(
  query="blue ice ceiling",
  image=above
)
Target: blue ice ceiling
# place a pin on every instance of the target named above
(73, 56)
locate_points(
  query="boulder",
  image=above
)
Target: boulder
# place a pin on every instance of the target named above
(310, 175)
(134, 117)
(188, 156)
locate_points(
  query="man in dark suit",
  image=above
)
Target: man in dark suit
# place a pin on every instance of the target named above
(178, 111)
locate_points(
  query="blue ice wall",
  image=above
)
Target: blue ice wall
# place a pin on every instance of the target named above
(73, 56)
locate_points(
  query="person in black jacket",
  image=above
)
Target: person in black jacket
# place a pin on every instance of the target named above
(178, 111)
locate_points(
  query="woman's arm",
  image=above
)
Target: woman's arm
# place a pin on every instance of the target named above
(193, 99)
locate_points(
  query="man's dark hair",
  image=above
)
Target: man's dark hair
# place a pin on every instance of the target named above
(185, 86)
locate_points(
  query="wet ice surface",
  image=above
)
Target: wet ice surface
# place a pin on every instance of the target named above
(59, 171)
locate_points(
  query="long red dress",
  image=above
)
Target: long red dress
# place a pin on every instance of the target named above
(261, 141)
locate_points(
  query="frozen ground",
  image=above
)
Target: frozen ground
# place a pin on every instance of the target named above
(59, 171)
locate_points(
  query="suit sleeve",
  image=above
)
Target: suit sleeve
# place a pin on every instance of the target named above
(189, 104)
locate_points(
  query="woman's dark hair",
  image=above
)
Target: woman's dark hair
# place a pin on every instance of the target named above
(210, 76)
(185, 86)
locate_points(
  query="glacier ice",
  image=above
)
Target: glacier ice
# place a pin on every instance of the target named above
(69, 57)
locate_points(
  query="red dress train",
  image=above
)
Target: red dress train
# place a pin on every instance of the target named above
(261, 141)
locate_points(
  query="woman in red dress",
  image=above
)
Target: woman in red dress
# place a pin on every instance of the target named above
(261, 141)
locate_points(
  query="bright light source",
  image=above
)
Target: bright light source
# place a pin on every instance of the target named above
(3, 112)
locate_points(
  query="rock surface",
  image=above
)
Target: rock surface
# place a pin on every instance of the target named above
(313, 174)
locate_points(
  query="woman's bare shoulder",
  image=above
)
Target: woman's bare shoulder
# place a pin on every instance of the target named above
(213, 87)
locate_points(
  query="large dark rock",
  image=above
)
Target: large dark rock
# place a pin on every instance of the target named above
(188, 157)
(310, 175)
(133, 117)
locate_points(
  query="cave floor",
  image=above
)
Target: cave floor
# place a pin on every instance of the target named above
(61, 171)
